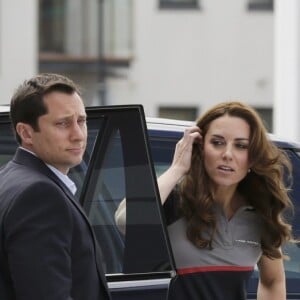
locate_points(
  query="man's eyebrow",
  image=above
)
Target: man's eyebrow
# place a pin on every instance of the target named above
(64, 117)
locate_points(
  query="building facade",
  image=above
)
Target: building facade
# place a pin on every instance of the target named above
(176, 57)
(18, 44)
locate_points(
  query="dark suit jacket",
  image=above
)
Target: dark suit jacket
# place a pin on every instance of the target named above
(47, 246)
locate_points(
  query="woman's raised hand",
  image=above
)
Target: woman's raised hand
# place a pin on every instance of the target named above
(181, 161)
(183, 151)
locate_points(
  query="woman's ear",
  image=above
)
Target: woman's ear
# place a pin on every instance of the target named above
(25, 132)
(250, 165)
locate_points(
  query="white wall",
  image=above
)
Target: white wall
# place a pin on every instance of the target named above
(18, 44)
(198, 57)
(287, 69)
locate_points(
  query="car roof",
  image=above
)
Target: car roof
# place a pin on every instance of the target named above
(173, 125)
(164, 124)
(4, 108)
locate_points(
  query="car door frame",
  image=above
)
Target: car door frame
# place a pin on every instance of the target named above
(135, 283)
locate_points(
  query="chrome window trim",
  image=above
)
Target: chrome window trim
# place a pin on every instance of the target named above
(163, 282)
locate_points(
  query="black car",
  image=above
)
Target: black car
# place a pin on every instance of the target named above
(125, 154)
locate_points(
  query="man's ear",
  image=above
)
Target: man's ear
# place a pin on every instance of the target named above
(25, 132)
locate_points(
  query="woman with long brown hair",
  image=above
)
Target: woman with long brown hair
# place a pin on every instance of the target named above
(224, 196)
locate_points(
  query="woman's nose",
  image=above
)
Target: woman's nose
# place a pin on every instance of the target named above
(227, 155)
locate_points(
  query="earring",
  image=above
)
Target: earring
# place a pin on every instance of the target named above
(249, 170)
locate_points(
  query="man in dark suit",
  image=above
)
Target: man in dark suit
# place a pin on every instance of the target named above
(47, 246)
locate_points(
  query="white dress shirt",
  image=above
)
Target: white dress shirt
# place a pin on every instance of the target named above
(64, 178)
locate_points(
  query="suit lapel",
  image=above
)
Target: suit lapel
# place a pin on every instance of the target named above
(25, 158)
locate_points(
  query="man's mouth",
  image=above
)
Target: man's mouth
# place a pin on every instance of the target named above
(75, 150)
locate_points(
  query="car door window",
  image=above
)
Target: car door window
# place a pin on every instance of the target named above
(121, 168)
(8, 143)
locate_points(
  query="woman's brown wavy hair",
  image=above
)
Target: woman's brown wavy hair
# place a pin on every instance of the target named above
(263, 187)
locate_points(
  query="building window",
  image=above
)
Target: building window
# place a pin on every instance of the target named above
(260, 5)
(52, 25)
(178, 4)
(267, 116)
(86, 29)
(178, 113)
(118, 28)
(69, 28)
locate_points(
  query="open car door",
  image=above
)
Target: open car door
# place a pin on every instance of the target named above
(119, 169)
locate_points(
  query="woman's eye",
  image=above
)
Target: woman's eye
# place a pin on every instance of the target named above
(217, 142)
(242, 146)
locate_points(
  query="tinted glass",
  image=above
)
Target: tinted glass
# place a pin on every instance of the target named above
(121, 168)
(7, 141)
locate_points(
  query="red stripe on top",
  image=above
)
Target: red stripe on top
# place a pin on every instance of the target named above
(213, 269)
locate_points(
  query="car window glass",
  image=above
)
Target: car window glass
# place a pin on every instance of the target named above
(77, 174)
(143, 248)
(108, 193)
(162, 149)
(8, 143)
(121, 171)
(126, 173)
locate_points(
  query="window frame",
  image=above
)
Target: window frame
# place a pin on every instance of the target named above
(261, 6)
(187, 113)
(140, 185)
(171, 4)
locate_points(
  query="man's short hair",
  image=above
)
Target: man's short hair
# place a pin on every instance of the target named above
(27, 103)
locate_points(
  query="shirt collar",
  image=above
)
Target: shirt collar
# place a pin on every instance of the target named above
(64, 178)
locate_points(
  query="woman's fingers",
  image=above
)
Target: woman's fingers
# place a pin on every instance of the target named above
(184, 147)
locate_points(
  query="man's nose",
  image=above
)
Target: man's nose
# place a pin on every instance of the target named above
(78, 132)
